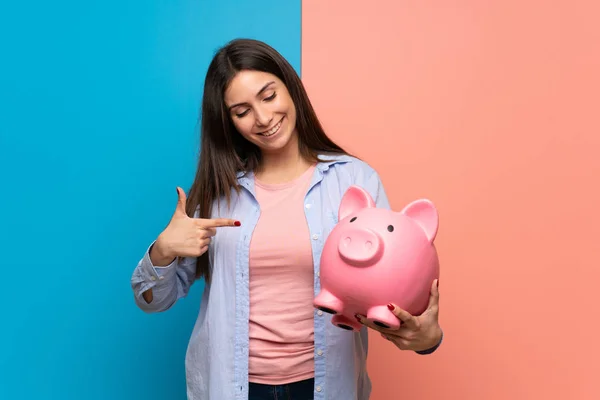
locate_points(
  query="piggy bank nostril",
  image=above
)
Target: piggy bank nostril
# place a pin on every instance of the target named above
(347, 241)
(369, 245)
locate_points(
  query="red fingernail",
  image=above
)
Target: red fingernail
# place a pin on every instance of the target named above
(237, 223)
(391, 307)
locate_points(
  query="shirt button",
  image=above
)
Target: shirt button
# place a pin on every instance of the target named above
(320, 352)
(315, 236)
(160, 278)
(153, 278)
(318, 388)
(319, 312)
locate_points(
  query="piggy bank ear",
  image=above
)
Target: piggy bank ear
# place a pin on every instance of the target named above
(425, 214)
(355, 199)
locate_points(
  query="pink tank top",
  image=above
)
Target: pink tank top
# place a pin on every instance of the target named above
(281, 286)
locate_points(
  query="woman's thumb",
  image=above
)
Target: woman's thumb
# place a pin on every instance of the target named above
(181, 201)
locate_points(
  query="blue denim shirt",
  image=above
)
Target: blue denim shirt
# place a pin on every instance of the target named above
(217, 354)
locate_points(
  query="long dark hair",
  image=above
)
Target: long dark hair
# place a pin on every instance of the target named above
(224, 152)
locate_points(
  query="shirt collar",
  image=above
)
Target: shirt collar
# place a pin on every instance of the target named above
(328, 161)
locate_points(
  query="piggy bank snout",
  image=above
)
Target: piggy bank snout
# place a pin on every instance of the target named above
(360, 247)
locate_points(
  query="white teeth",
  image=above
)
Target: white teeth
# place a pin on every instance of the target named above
(273, 130)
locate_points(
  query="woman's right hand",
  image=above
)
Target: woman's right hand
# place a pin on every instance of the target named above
(185, 236)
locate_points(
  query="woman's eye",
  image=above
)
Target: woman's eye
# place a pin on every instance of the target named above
(271, 97)
(240, 115)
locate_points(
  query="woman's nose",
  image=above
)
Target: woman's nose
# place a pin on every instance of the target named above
(263, 117)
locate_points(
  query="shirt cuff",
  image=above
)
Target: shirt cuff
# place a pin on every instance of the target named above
(153, 273)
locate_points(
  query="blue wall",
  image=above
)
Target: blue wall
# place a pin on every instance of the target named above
(98, 124)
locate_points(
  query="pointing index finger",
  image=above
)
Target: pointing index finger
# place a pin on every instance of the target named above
(218, 222)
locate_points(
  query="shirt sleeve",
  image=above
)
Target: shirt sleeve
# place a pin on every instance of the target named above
(168, 283)
(373, 185)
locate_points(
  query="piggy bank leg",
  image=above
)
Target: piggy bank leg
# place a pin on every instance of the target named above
(346, 323)
(383, 317)
(327, 302)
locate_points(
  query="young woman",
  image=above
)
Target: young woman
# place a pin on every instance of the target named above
(266, 195)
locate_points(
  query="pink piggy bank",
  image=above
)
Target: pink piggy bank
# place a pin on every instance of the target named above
(374, 257)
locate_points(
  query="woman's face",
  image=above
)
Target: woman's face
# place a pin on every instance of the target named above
(262, 110)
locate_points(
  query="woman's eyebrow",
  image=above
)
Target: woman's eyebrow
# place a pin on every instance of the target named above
(265, 87)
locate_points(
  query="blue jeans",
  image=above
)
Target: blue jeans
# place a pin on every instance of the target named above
(302, 390)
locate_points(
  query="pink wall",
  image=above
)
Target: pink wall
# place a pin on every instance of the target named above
(492, 110)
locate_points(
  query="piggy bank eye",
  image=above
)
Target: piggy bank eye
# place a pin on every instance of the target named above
(353, 219)
(391, 228)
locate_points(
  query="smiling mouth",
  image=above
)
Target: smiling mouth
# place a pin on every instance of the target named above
(273, 130)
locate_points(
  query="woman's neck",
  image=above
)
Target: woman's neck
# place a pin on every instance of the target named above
(281, 167)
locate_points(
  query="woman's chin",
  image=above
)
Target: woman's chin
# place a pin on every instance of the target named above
(279, 143)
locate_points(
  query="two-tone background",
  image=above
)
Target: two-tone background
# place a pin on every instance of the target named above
(490, 109)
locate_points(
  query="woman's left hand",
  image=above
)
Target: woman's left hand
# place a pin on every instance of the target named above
(416, 333)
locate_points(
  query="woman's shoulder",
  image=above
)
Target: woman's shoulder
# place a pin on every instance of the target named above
(347, 165)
